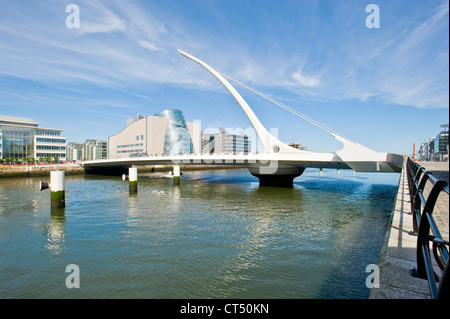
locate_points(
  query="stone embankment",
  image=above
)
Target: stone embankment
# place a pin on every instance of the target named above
(39, 170)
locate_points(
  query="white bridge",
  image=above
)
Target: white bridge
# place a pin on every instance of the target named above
(279, 164)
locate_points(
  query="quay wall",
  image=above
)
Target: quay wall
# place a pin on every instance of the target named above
(77, 169)
(39, 170)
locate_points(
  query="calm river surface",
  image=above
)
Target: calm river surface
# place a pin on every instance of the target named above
(217, 235)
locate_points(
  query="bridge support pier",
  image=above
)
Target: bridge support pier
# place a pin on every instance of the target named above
(278, 177)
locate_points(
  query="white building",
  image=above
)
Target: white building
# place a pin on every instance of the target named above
(165, 133)
(87, 151)
(95, 150)
(74, 151)
(23, 138)
(298, 146)
(226, 143)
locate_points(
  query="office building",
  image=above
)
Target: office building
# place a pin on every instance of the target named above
(87, 151)
(226, 143)
(437, 148)
(74, 151)
(164, 134)
(23, 138)
(95, 150)
(297, 146)
(440, 147)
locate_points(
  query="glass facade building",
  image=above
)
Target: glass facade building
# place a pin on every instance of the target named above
(17, 142)
(177, 138)
(21, 138)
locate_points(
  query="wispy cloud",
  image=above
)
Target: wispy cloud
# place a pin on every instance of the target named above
(303, 80)
(121, 43)
(108, 23)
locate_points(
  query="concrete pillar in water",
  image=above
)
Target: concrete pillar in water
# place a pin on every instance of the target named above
(276, 177)
(132, 178)
(57, 189)
(176, 175)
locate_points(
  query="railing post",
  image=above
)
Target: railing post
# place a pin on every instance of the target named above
(416, 201)
(423, 222)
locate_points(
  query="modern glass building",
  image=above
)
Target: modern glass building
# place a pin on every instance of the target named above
(163, 134)
(177, 140)
(22, 138)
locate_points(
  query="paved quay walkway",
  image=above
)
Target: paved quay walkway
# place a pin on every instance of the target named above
(398, 255)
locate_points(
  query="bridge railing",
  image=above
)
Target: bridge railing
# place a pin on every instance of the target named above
(426, 229)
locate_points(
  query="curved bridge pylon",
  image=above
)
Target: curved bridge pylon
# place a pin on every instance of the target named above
(283, 163)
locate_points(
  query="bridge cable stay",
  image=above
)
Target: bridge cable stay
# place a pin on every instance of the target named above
(287, 108)
(173, 77)
(185, 76)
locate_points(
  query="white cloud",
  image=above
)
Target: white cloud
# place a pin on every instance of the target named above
(108, 23)
(303, 80)
(148, 45)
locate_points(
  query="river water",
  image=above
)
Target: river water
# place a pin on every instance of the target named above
(217, 235)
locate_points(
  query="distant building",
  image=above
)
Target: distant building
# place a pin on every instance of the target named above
(75, 151)
(437, 148)
(441, 147)
(226, 143)
(165, 133)
(23, 138)
(95, 150)
(424, 152)
(89, 150)
(297, 146)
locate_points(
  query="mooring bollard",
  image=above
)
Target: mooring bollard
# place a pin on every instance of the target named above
(57, 189)
(132, 179)
(176, 175)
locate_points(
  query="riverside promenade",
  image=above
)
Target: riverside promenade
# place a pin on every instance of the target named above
(398, 255)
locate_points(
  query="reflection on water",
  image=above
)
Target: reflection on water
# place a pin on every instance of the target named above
(55, 231)
(217, 235)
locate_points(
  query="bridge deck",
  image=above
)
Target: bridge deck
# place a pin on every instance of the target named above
(307, 160)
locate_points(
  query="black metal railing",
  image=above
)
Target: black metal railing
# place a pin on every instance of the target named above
(426, 229)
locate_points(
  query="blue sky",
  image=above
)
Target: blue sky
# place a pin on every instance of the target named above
(385, 88)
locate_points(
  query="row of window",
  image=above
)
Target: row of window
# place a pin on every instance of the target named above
(50, 140)
(130, 145)
(48, 133)
(237, 142)
(60, 155)
(131, 151)
(51, 148)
